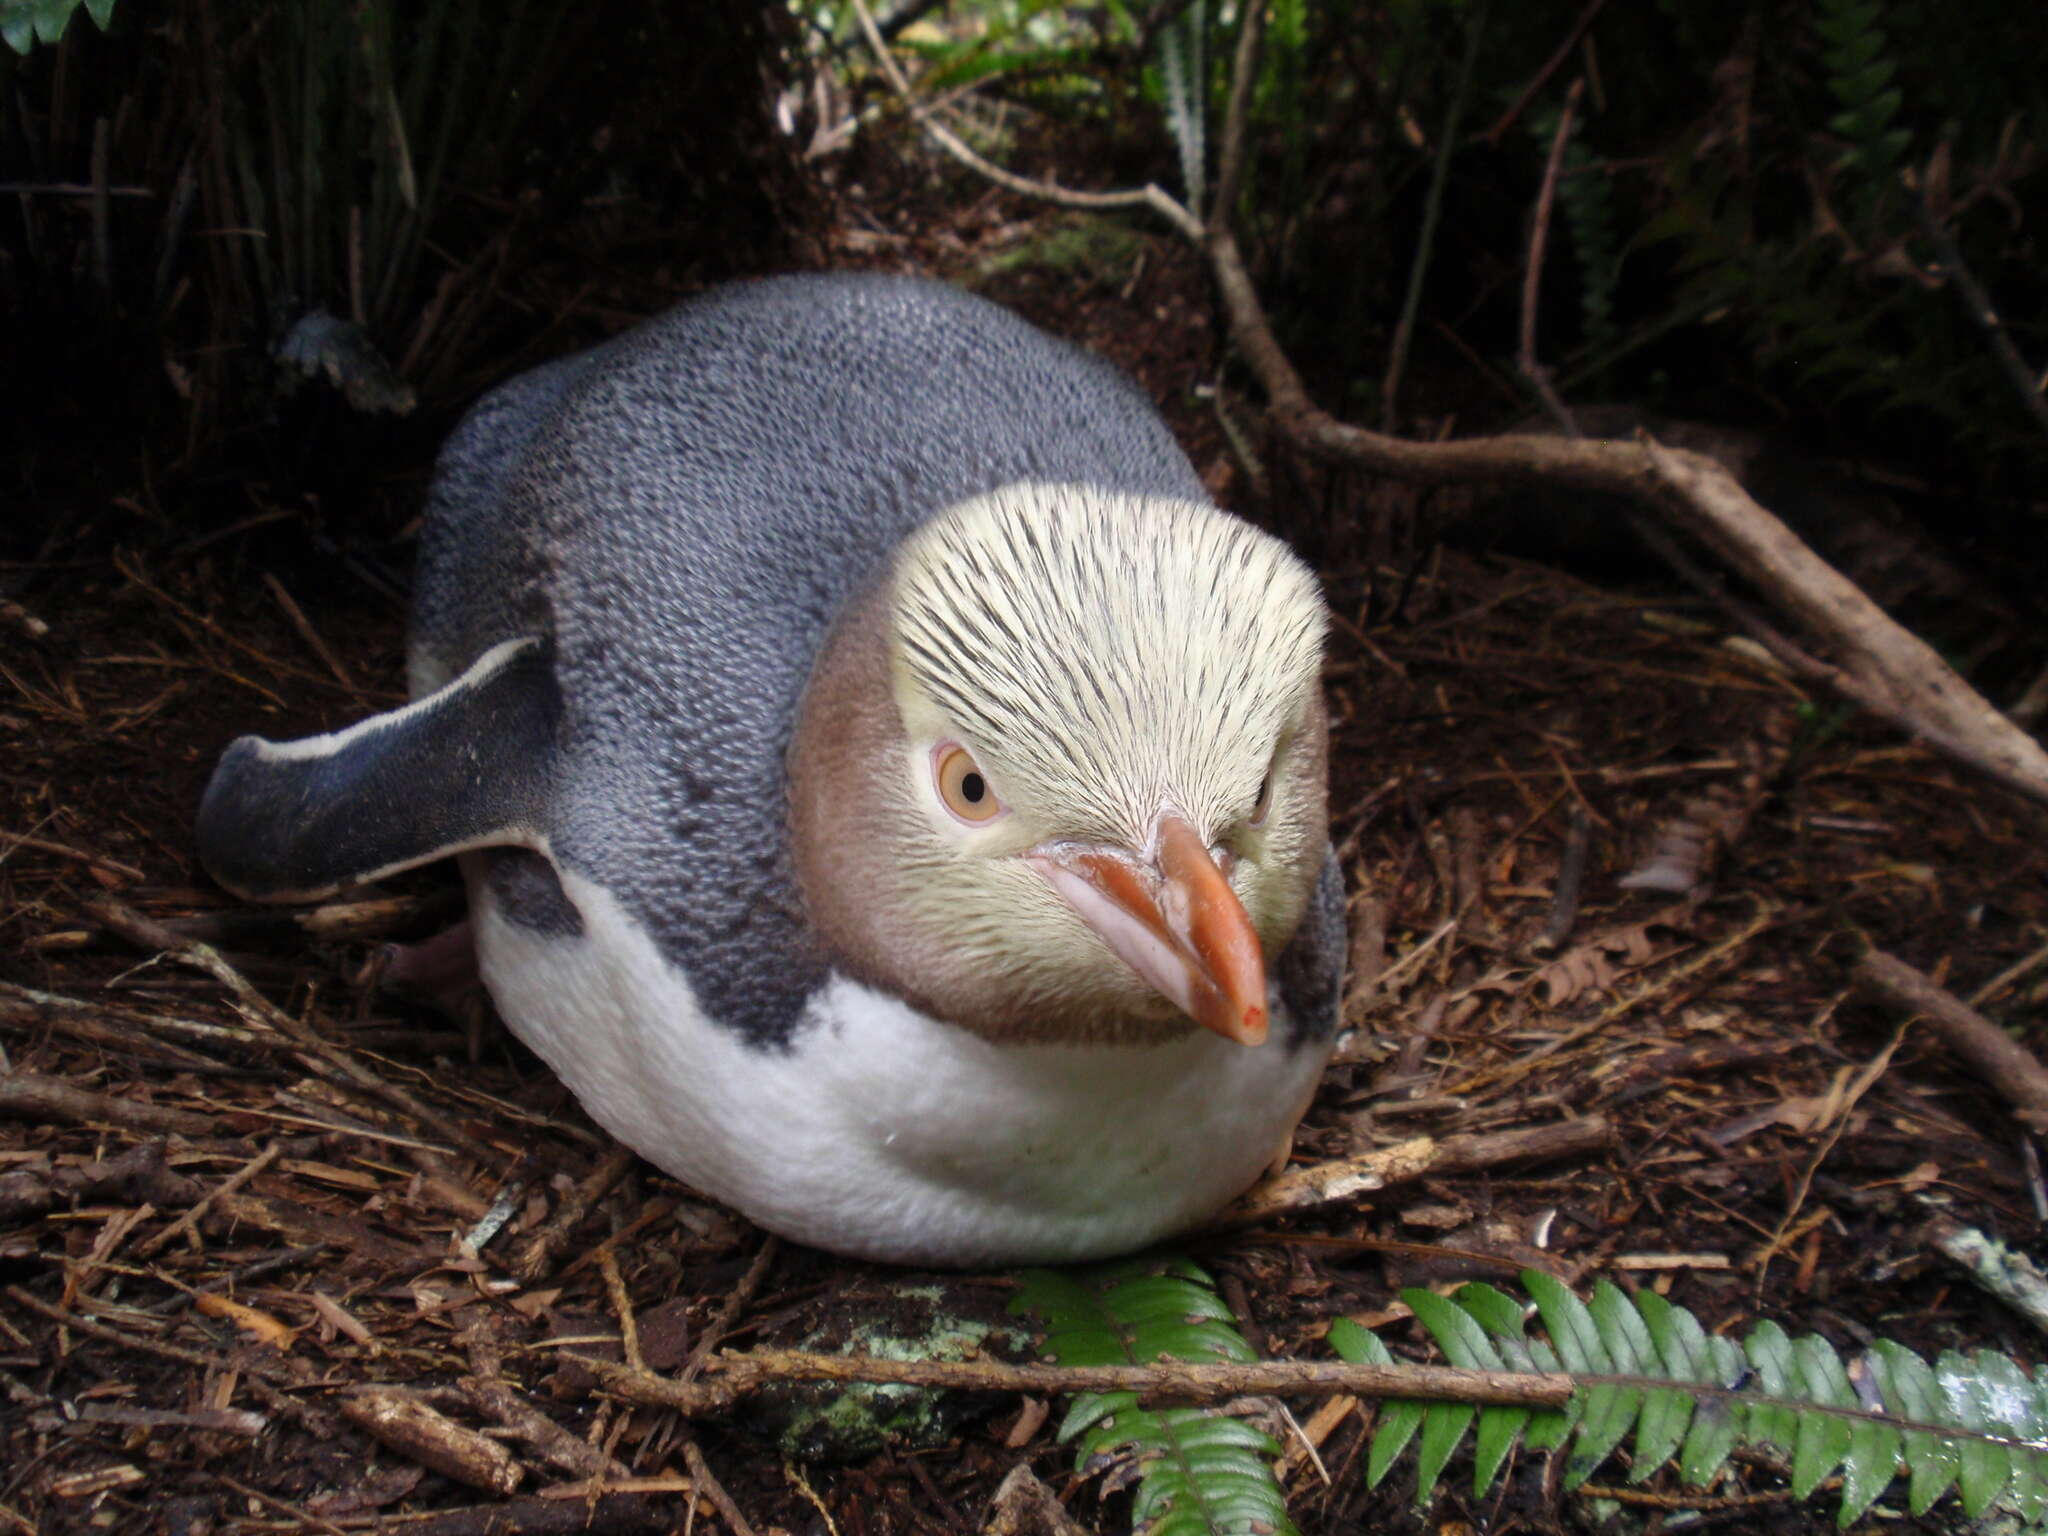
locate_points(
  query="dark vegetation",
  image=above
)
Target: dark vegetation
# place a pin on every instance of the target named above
(255, 257)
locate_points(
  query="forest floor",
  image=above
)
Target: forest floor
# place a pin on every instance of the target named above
(223, 1213)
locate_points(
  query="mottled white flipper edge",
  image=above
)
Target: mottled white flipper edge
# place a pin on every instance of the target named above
(468, 766)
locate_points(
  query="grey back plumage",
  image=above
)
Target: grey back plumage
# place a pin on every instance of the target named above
(683, 511)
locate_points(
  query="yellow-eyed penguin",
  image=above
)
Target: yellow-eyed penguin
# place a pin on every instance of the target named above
(891, 795)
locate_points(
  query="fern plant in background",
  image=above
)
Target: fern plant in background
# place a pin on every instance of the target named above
(24, 23)
(1645, 1374)
(1586, 194)
(1186, 89)
(1860, 76)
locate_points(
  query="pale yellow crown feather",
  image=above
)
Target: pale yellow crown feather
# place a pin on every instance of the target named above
(1100, 652)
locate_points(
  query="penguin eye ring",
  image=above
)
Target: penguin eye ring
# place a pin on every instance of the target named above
(963, 789)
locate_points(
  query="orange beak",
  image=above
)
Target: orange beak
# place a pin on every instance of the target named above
(1174, 920)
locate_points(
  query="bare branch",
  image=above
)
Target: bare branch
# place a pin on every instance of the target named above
(1532, 277)
(734, 1377)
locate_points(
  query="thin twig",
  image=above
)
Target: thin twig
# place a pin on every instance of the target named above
(1571, 881)
(138, 929)
(735, 1377)
(1983, 311)
(189, 1222)
(1432, 208)
(736, 1303)
(1550, 67)
(32, 1096)
(307, 632)
(622, 1308)
(541, 1250)
(714, 1490)
(1244, 74)
(1532, 275)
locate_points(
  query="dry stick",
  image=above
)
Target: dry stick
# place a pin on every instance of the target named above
(31, 1096)
(307, 632)
(9, 841)
(1303, 1189)
(616, 1514)
(1170, 1381)
(189, 1222)
(1532, 274)
(554, 1444)
(1432, 209)
(1998, 1269)
(714, 1490)
(629, 1346)
(304, 1519)
(1889, 670)
(1550, 67)
(1852, 1095)
(540, 1251)
(1244, 74)
(138, 929)
(1981, 309)
(2023, 966)
(1571, 881)
(622, 1307)
(1994, 1055)
(109, 1025)
(415, 1429)
(1528, 1144)
(734, 1304)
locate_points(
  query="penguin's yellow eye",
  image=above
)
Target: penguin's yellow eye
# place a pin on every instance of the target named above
(962, 787)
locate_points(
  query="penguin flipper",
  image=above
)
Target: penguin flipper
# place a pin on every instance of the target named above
(469, 766)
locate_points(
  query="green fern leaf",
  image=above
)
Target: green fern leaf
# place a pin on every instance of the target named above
(1182, 73)
(1796, 1397)
(1903, 1378)
(1200, 1473)
(1398, 1419)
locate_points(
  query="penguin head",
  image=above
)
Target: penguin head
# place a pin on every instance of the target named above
(1061, 775)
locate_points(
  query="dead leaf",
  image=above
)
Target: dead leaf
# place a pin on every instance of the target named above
(257, 1324)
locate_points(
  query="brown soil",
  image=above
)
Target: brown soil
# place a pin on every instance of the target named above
(202, 1383)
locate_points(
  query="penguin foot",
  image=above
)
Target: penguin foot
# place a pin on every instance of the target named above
(441, 971)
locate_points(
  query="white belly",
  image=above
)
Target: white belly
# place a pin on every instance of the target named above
(883, 1133)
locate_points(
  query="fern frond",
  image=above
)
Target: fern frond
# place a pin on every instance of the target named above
(1186, 81)
(1200, 1472)
(1641, 1366)
(1860, 79)
(24, 23)
(1587, 196)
